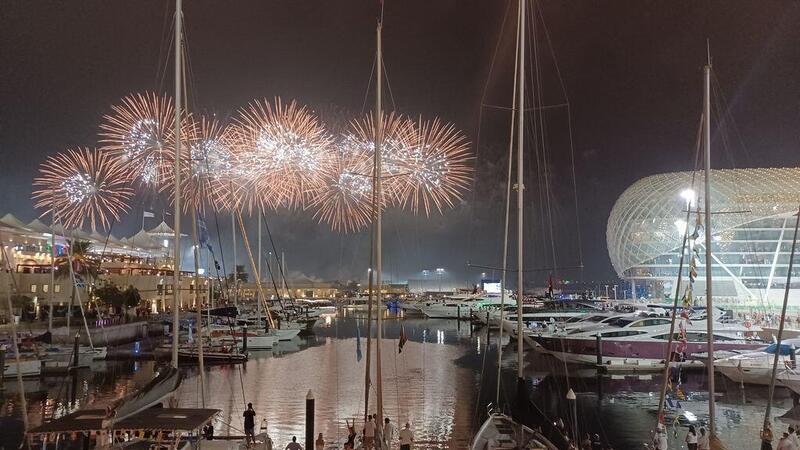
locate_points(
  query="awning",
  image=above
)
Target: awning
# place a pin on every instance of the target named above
(155, 419)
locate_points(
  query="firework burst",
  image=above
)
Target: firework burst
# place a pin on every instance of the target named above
(83, 186)
(397, 140)
(206, 166)
(140, 132)
(282, 154)
(438, 167)
(345, 199)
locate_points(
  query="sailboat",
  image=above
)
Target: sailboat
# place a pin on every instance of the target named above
(501, 431)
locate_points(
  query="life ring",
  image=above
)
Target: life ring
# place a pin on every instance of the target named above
(747, 324)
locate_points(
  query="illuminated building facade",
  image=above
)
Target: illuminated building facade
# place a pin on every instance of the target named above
(752, 228)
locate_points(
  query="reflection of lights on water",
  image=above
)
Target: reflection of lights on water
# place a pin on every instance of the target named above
(440, 336)
(478, 349)
(137, 347)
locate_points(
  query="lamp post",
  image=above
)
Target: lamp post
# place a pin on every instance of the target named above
(573, 406)
(440, 273)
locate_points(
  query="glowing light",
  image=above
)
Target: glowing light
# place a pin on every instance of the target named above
(689, 195)
(681, 226)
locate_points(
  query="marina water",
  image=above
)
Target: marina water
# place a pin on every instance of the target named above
(439, 383)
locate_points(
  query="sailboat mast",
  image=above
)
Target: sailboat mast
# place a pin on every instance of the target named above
(260, 274)
(378, 225)
(235, 292)
(176, 272)
(709, 298)
(520, 184)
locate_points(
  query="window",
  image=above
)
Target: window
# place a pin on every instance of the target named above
(624, 333)
(57, 288)
(45, 288)
(33, 288)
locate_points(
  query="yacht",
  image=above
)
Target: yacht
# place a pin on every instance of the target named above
(459, 306)
(756, 367)
(635, 340)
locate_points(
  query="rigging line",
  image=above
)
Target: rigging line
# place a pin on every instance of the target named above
(665, 379)
(388, 85)
(575, 190)
(534, 48)
(369, 85)
(164, 50)
(532, 108)
(170, 45)
(480, 122)
(274, 249)
(541, 269)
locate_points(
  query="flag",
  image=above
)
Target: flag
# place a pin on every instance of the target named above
(358, 345)
(146, 214)
(403, 339)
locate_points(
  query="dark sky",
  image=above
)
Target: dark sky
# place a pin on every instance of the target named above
(631, 70)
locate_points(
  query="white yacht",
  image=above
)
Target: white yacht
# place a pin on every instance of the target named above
(459, 306)
(756, 367)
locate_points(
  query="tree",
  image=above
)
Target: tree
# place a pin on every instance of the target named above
(111, 295)
(84, 265)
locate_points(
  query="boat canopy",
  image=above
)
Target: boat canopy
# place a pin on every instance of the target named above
(154, 419)
(786, 349)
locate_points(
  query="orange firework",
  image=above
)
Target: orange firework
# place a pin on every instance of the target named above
(83, 186)
(345, 199)
(206, 166)
(438, 167)
(397, 136)
(282, 154)
(140, 132)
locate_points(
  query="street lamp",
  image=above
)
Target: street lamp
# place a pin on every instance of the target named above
(440, 272)
(573, 406)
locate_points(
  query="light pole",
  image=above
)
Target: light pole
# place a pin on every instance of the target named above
(573, 406)
(606, 291)
(440, 273)
(615, 292)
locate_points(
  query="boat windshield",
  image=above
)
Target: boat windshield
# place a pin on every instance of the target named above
(621, 322)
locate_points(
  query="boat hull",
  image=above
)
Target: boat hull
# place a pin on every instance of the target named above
(584, 351)
(27, 367)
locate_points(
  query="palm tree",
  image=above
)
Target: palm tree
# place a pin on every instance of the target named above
(84, 265)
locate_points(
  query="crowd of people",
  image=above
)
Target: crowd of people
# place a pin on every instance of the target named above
(789, 440)
(370, 431)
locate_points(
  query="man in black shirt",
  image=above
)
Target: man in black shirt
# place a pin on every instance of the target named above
(249, 424)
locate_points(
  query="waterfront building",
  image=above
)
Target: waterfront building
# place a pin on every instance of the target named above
(142, 260)
(752, 226)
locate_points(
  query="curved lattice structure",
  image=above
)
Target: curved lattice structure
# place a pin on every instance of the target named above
(648, 218)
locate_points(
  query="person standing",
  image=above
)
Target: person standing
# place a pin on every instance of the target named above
(793, 437)
(660, 439)
(766, 437)
(319, 444)
(249, 424)
(369, 433)
(294, 445)
(406, 437)
(586, 442)
(785, 443)
(388, 432)
(691, 438)
(703, 442)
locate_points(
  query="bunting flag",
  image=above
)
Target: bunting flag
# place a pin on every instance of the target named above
(359, 355)
(403, 339)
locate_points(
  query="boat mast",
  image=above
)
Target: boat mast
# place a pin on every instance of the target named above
(707, 192)
(235, 292)
(503, 279)
(260, 274)
(378, 230)
(520, 184)
(176, 272)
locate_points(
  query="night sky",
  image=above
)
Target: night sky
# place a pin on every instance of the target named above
(631, 71)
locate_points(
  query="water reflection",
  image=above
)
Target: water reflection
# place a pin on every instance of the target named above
(440, 383)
